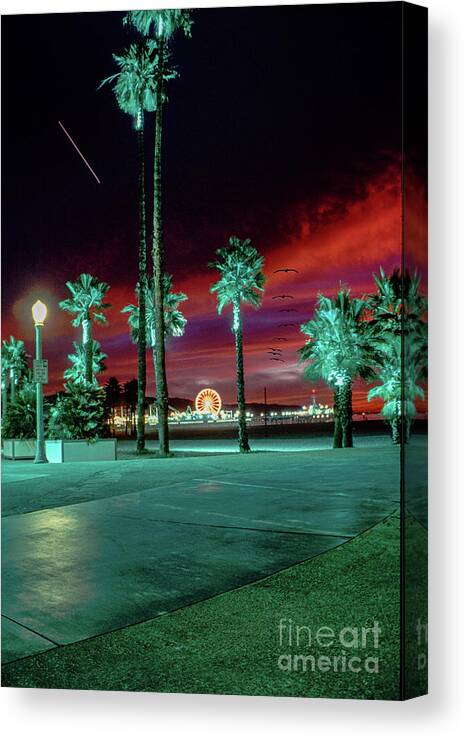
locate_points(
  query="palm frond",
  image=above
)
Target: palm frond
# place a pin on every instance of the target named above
(338, 348)
(241, 276)
(160, 23)
(86, 301)
(135, 85)
(175, 321)
(14, 358)
(77, 372)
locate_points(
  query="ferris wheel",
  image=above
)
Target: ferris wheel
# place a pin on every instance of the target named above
(208, 401)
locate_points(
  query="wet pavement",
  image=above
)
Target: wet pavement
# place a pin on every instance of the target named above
(88, 548)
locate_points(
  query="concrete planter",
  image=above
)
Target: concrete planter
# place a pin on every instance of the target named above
(19, 448)
(60, 451)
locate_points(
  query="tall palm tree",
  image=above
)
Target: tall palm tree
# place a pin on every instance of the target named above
(174, 321)
(338, 350)
(135, 91)
(160, 25)
(77, 372)
(241, 280)
(399, 332)
(86, 302)
(14, 364)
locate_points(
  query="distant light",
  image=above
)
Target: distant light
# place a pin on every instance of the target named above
(39, 312)
(208, 401)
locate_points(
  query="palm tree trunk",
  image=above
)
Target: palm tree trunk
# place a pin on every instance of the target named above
(396, 424)
(395, 430)
(346, 413)
(141, 344)
(4, 397)
(337, 438)
(87, 341)
(407, 426)
(154, 357)
(158, 266)
(242, 423)
(12, 385)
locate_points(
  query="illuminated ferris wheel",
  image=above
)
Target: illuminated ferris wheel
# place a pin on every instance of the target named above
(208, 401)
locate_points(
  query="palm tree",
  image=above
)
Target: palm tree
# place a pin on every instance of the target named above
(14, 365)
(398, 386)
(399, 332)
(135, 92)
(161, 25)
(77, 372)
(174, 321)
(338, 351)
(398, 298)
(86, 302)
(241, 280)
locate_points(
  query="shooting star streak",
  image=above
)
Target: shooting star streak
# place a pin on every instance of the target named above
(80, 154)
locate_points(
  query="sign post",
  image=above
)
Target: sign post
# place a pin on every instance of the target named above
(40, 371)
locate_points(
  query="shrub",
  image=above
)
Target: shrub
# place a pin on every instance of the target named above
(20, 415)
(79, 413)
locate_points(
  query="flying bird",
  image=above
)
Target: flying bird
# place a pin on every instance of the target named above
(283, 297)
(79, 152)
(271, 348)
(275, 353)
(285, 269)
(279, 339)
(273, 358)
(287, 325)
(288, 310)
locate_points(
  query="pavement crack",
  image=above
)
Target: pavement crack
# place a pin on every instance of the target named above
(31, 630)
(276, 531)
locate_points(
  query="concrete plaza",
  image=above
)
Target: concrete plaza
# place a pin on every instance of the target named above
(90, 548)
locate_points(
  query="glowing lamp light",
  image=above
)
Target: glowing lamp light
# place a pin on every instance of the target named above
(39, 312)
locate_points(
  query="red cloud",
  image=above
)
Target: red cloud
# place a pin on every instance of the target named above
(343, 244)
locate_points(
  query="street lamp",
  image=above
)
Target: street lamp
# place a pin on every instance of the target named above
(39, 313)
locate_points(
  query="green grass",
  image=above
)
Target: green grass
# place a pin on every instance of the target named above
(230, 643)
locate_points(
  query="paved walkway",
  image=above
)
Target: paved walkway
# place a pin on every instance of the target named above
(88, 548)
(304, 442)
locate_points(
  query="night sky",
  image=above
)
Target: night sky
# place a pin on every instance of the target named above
(284, 126)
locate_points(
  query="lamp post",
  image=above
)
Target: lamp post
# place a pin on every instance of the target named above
(39, 313)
